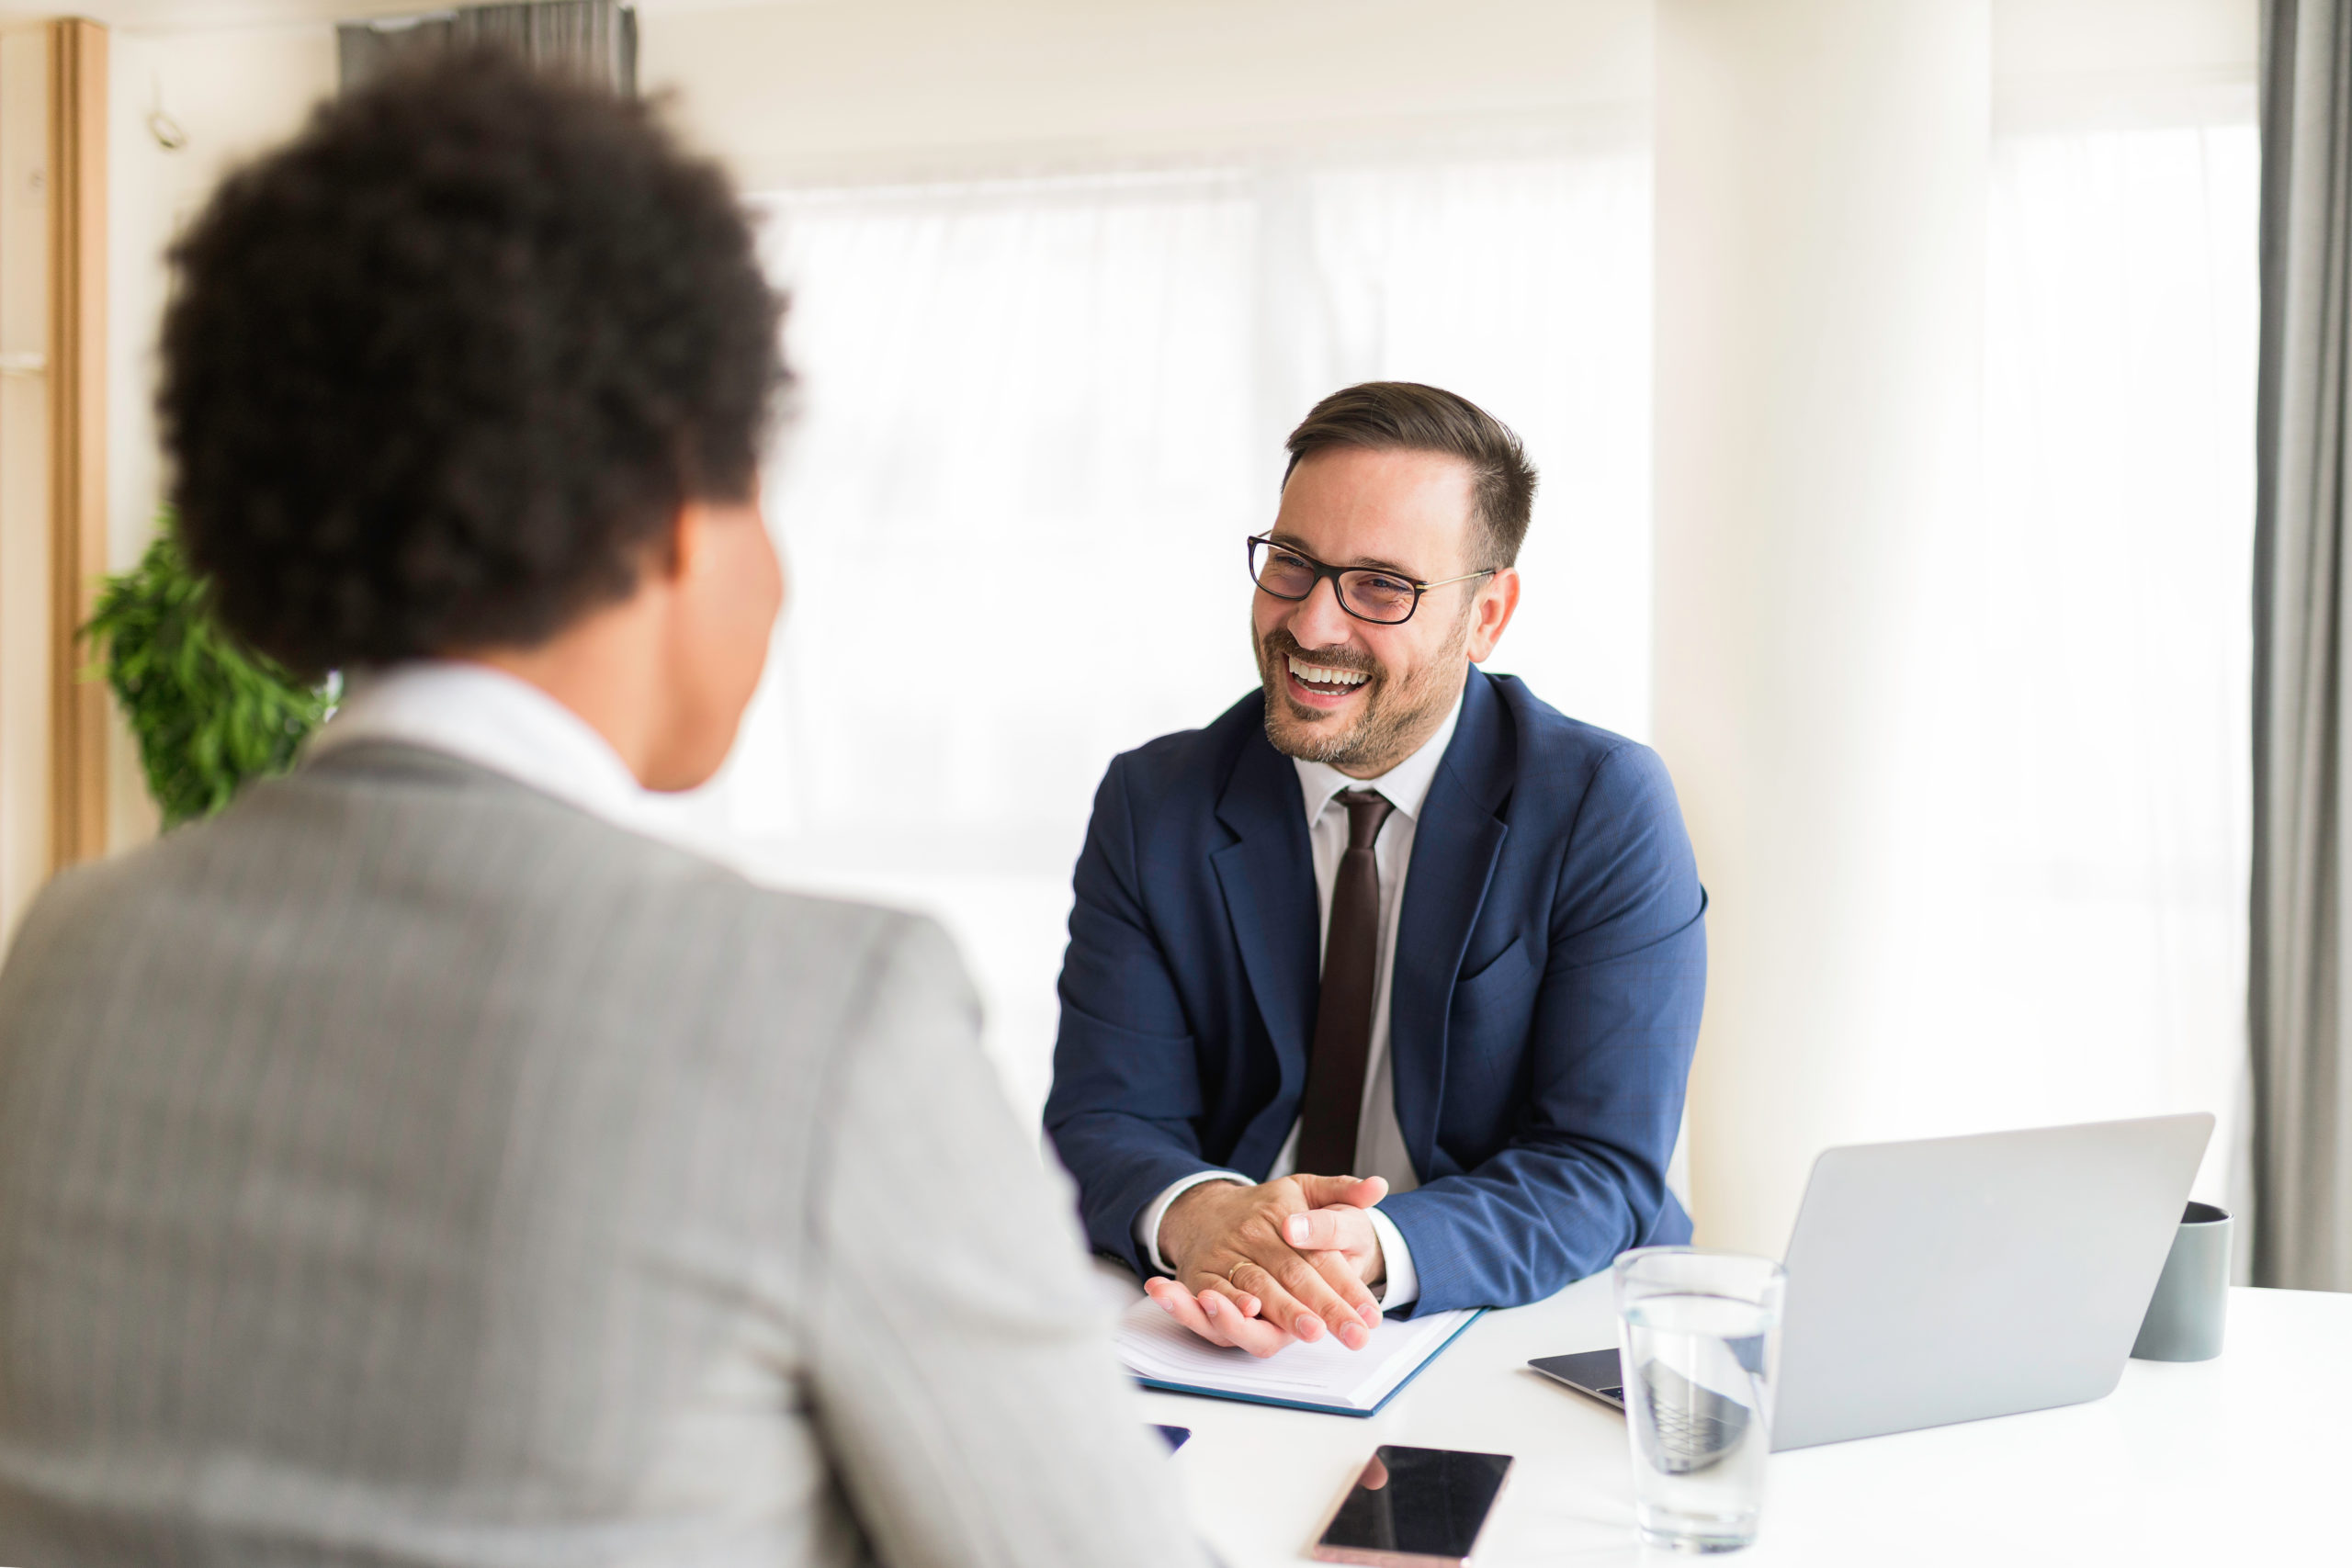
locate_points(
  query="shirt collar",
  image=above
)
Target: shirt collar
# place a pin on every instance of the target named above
(1406, 786)
(492, 719)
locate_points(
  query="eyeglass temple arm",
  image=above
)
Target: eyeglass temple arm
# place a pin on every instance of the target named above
(1465, 577)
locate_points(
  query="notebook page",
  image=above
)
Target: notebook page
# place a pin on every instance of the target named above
(1153, 1345)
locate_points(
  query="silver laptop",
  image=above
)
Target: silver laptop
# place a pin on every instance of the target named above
(1954, 1279)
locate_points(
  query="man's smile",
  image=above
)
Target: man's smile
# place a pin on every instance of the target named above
(1322, 686)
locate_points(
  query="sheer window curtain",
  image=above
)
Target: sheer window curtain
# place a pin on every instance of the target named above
(2118, 551)
(1041, 416)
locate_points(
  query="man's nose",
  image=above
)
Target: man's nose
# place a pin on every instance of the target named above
(1319, 622)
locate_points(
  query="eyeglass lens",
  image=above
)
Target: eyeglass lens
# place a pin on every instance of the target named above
(1372, 595)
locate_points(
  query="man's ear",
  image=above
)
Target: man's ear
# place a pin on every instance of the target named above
(1496, 602)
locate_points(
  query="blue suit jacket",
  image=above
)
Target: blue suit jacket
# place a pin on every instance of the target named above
(1551, 960)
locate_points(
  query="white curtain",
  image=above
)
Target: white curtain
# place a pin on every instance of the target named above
(1039, 419)
(2121, 306)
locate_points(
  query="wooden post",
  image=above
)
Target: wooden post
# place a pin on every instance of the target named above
(78, 341)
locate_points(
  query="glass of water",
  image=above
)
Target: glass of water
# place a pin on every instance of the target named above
(1698, 1335)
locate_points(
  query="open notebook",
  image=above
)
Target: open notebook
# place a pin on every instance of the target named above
(1326, 1375)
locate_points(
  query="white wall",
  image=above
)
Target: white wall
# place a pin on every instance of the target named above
(2070, 46)
(904, 88)
(1820, 307)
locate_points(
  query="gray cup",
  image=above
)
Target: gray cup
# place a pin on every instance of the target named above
(2185, 1316)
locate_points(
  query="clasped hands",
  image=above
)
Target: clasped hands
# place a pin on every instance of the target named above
(1260, 1267)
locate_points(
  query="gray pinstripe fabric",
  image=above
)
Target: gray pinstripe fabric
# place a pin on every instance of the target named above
(406, 1167)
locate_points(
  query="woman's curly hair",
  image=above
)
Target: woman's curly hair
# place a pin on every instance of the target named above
(438, 374)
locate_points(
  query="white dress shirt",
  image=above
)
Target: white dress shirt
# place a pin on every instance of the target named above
(1380, 1137)
(493, 720)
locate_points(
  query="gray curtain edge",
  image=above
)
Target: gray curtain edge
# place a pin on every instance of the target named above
(2299, 1036)
(593, 40)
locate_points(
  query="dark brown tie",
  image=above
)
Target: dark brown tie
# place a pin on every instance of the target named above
(1335, 1068)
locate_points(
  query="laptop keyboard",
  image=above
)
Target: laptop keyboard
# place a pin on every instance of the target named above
(1696, 1425)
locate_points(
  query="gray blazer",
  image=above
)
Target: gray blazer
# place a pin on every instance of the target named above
(406, 1167)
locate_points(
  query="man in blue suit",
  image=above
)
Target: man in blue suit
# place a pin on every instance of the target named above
(1381, 989)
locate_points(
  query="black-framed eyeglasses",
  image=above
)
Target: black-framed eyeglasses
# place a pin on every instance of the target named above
(1384, 598)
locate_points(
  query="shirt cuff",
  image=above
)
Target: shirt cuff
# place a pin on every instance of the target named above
(1147, 1223)
(1403, 1285)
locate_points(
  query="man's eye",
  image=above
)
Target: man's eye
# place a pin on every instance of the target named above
(1286, 573)
(1386, 587)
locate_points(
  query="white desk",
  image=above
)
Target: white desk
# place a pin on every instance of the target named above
(2245, 1460)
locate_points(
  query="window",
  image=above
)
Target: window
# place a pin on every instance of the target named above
(2121, 312)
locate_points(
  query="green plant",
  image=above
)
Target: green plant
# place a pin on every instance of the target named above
(208, 713)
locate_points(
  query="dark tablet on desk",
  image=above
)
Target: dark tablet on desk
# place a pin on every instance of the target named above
(1593, 1373)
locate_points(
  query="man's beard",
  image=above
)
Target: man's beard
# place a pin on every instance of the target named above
(1394, 712)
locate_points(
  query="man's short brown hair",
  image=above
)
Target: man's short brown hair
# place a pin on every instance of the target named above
(1406, 416)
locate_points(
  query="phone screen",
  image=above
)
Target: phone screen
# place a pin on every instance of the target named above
(1427, 1503)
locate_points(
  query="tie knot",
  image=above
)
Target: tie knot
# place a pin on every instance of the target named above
(1367, 809)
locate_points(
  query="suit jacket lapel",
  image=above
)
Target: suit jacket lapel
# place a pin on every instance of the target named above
(1268, 878)
(1455, 845)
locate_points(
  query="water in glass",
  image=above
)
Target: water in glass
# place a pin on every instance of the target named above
(1697, 1405)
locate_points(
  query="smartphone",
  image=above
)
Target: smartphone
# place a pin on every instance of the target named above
(1414, 1509)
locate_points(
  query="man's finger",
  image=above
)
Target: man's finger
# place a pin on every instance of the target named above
(1167, 1293)
(1256, 1336)
(1340, 1308)
(1302, 1300)
(1250, 1306)
(1321, 1235)
(1341, 1273)
(1357, 1192)
(1180, 1305)
(1319, 1230)
(1280, 1307)
(1207, 1279)
(1200, 1313)
(1178, 1302)
(1222, 1298)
